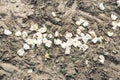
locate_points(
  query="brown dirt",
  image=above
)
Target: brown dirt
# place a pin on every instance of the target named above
(14, 14)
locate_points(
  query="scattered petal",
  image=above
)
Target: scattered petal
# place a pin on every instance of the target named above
(54, 14)
(84, 47)
(86, 23)
(43, 29)
(56, 33)
(67, 50)
(110, 34)
(21, 52)
(113, 17)
(102, 59)
(68, 35)
(48, 43)
(18, 33)
(57, 41)
(101, 6)
(95, 40)
(34, 27)
(26, 46)
(7, 32)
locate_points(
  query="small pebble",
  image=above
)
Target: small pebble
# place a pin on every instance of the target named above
(7, 32)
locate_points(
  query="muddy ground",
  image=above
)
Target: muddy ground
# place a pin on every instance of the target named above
(15, 14)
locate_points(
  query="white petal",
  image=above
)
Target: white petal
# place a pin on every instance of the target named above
(118, 2)
(54, 14)
(18, 33)
(50, 35)
(67, 50)
(24, 34)
(7, 32)
(21, 52)
(34, 27)
(101, 59)
(63, 45)
(26, 46)
(68, 35)
(42, 30)
(48, 43)
(110, 33)
(95, 40)
(85, 24)
(113, 17)
(84, 47)
(101, 6)
(56, 34)
(57, 41)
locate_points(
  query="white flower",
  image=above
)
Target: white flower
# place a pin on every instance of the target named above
(110, 33)
(101, 59)
(34, 27)
(48, 43)
(84, 47)
(67, 50)
(43, 29)
(57, 41)
(68, 35)
(21, 52)
(101, 6)
(26, 46)
(113, 17)
(86, 23)
(56, 33)
(7, 32)
(54, 14)
(18, 33)
(24, 34)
